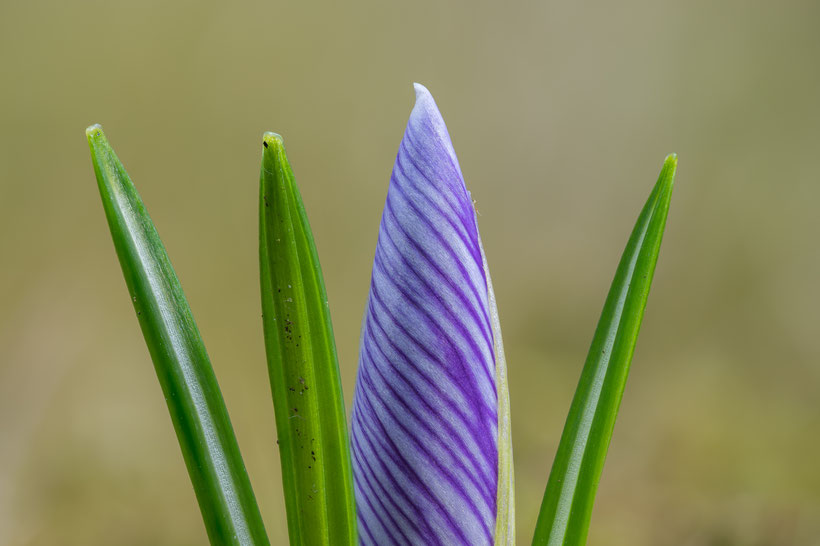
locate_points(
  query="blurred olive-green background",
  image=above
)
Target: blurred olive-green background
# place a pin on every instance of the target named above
(561, 113)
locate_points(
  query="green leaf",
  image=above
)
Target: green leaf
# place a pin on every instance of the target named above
(570, 494)
(304, 369)
(197, 410)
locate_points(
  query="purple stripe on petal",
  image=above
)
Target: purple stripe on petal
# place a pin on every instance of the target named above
(437, 450)
(373, 488)
(473, 298)
(410, 487)
(425, 413)
(447, 411)
(447, 438)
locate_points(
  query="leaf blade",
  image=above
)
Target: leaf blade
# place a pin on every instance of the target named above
(198, 412)
(302, 362)
(568, 500)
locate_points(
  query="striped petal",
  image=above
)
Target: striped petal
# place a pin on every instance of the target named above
(432, 459)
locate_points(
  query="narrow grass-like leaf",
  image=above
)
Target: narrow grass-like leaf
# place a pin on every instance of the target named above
(570, 494)
(197, 410)
(302, 361)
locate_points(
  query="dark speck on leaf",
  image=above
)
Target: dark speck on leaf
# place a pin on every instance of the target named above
(265, 144)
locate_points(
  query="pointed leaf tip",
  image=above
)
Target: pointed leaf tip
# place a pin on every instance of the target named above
(94, 130)
(670, 165)
(273, 141)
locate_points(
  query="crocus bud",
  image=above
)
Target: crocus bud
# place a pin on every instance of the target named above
(432, 457)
